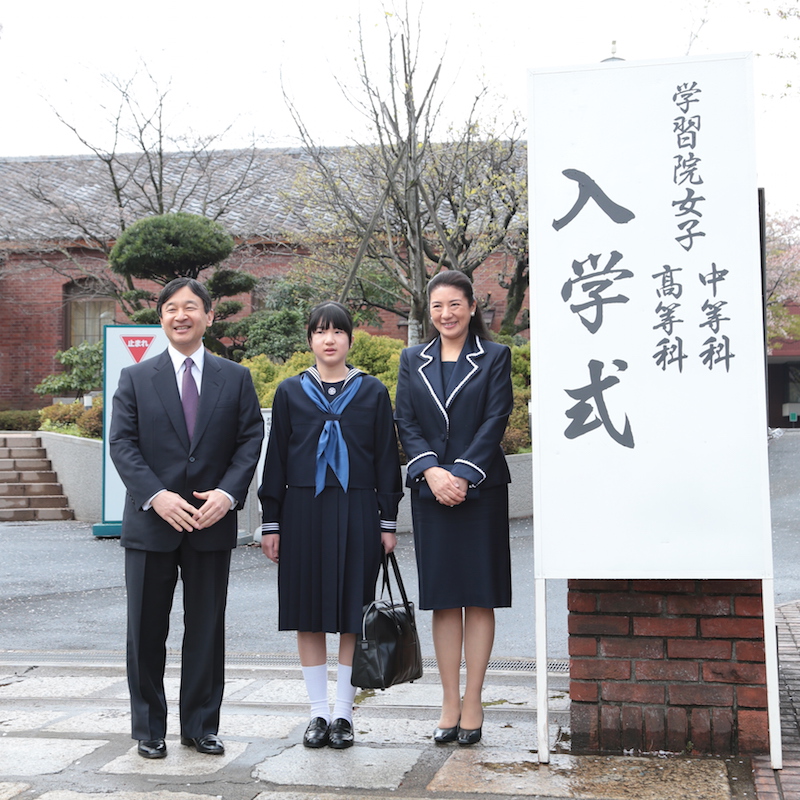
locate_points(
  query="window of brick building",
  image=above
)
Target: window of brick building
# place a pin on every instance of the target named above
(87, 314)
(794, 384)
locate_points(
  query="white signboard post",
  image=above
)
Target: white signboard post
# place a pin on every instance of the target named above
(123, 345)
(648, 357)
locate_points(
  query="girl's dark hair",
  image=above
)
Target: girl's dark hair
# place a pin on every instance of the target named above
(458, 280)
(330, 314)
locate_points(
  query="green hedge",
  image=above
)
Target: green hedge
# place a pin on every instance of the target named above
(14, 420)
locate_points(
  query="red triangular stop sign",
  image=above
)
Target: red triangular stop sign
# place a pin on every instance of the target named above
(138, 346)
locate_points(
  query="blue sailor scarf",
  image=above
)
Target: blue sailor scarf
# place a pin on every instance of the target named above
(331, 447)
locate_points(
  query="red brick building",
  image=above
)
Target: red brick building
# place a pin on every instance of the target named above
(59, 216)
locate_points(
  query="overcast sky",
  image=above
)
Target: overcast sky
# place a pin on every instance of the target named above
(225, 62)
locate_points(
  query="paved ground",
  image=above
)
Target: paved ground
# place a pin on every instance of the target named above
(65, 736)
(64, 725)
(77, 595)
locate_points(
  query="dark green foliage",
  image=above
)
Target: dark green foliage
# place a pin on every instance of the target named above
(169, 246)
(224, 283)
(227, 308)
(135, 296)
(289, 292)
(228, 282)
(14, 420)
(145, 316)
(276, 334)
(84, 371)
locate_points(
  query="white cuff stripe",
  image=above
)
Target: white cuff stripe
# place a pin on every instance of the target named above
(422, 455)
(474, 466)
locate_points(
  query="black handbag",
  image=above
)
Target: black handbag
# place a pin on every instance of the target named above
(387, 649)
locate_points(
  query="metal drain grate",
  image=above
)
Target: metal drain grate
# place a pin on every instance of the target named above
(277, 660)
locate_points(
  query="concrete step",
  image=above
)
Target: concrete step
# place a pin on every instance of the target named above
(46, 501)
(22, 452)
(27, 476)
(22, 464)
(20, 440)
(29, 489)
(35, 514)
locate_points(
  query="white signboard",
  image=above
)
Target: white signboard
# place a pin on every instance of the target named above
(124, 345)
(648, 358)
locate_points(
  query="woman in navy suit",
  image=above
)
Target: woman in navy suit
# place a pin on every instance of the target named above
(454, 397)
(329, 499)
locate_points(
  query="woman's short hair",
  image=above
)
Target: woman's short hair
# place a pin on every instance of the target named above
(330, 314)
(458, 280)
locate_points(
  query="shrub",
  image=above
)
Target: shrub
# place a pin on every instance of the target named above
(12, 420)
(277, 334)
(378, 356)
(167, 246)
(84, 371)
(517, 438)
(61, 414)
(73, 419)
(90, 422)
(267, 374)
(521, 366)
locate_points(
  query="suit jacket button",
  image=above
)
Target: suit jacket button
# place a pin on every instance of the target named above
(192, 459)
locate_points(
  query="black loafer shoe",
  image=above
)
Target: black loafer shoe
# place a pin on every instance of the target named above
(152, 748)
(341, 734)
(210, 744)
(445, 735)
(472, 736)
(316, 734)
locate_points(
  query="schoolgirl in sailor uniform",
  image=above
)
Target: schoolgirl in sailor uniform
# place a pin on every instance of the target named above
(329, 495)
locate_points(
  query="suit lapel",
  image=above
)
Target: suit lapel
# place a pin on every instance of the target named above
(166, 386)
(431, 370)
(210, 390)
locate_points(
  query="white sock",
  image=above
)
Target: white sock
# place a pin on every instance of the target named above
(316, 679)
(345, 694)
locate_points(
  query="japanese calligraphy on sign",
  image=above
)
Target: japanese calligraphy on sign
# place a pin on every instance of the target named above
(648, 406)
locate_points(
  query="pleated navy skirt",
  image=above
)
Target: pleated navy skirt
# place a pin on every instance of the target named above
(463, 553)
(330, 552)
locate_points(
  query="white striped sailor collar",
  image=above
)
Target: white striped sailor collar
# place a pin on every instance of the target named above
(352, 372)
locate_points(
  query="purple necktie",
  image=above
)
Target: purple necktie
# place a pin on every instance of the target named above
(189, 397)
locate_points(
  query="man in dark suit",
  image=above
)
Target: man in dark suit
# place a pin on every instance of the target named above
(185, 436)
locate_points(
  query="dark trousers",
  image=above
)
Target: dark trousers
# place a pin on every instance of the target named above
(150, 578)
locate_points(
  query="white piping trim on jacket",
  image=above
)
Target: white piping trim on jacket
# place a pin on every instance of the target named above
(474, 466)
(424, 354)
(422, 455)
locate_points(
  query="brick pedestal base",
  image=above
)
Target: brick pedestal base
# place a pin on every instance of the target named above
(674, 665)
